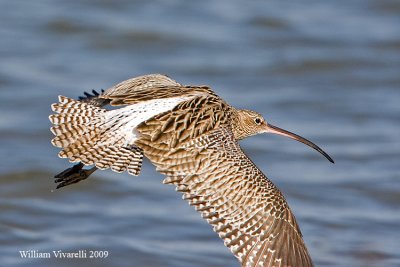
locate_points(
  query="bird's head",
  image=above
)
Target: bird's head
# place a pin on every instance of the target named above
(250, 123)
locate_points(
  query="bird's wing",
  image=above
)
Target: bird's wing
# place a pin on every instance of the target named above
(149, 87)
(140, 83)
(187, 120)
(244, 207)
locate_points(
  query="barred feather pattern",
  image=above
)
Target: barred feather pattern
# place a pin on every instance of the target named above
(85, 134)
(242, 205)
(205, 162)
(191, 135)
(130, 87)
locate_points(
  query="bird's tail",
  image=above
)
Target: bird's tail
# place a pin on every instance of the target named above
(83, 133)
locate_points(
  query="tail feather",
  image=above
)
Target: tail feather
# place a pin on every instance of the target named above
(67, 134)
(136, 163)
(74, 122)
(96, 149)
(76, 144)
(123, 161)
(86, 157)
(85, 135)
(60, 119)
(75, 108)
(109, 159)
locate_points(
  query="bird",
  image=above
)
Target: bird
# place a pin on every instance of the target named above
(191, 135)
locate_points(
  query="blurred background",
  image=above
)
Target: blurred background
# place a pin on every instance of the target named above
(327, 70)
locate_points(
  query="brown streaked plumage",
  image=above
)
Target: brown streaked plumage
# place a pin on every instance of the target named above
(191, 135)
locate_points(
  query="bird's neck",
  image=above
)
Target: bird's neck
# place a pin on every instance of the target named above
(237, 125)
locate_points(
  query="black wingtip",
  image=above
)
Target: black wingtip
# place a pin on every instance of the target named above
(89, 96)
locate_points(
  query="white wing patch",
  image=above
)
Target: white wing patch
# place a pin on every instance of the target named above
(106, 138)
(123, 121)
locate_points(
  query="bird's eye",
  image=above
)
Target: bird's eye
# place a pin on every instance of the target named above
(257, 121)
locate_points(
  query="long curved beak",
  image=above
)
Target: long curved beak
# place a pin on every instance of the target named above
(276, 130)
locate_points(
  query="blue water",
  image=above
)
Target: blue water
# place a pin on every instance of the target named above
(327, 70)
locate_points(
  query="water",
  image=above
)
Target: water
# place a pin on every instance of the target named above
(328, 70)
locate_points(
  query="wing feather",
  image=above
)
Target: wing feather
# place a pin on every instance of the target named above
(243, 206)
(149, 87)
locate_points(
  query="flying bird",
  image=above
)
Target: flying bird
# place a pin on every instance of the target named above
(191, 135)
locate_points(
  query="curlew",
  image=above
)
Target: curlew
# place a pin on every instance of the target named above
(191, 135)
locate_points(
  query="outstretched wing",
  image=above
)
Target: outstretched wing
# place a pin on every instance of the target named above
(244, 207)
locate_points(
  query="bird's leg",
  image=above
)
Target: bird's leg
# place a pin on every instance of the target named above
(73, 175)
